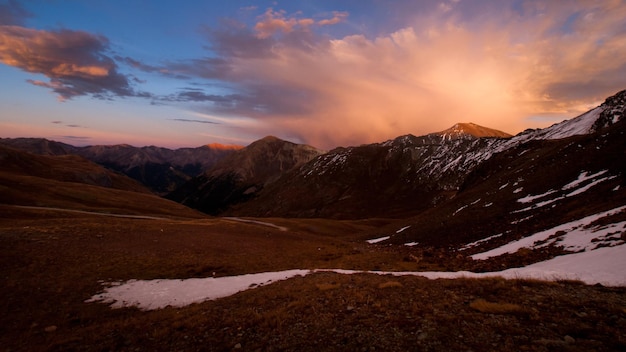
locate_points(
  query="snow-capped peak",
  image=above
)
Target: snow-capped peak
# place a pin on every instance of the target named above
(470, 131)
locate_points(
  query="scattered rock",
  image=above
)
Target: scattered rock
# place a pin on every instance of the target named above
(51, 328)
(569, 339)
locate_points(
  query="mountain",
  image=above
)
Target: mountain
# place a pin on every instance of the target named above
(243, 174)
(39, 146)
(74, 183)
(408, 175)
(470, 130)
(160, 169)
(394, 178)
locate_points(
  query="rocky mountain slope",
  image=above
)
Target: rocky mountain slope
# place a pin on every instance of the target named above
(404, 175)
(409, 174)
(243, 174)
(536, 199)
(160, 169)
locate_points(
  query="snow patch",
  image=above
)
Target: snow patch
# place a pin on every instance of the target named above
(587, 187)
(584, 176)
(376, 240)
(529, 198)
(574, 236)
(156, 294)
(601, 266)
(458, 210)
(402, 229)
(476, 243)
(411, 244)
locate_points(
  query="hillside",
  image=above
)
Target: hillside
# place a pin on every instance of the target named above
(74, 183)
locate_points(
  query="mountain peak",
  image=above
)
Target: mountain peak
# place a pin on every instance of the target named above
(219, 146)
(470, 130)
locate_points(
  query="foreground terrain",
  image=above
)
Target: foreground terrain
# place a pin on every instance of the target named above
(52, 262)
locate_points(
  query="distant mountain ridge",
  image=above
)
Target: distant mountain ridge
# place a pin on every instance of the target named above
(161, 169)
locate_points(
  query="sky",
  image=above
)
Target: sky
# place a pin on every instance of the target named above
(325, 73)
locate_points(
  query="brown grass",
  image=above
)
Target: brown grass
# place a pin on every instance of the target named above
(495, 308)
(326, 286)
(388, 284)
(52, 262)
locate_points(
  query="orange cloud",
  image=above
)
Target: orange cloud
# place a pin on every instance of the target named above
(74, 61)
(496, 69)
(272, 22)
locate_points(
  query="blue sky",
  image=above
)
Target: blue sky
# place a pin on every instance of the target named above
(326, 73)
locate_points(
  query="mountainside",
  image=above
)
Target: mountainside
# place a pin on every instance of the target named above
(74, 183)
(383, 179)
(64, 168)
(243, 174)
(529, 188)
(160, 169)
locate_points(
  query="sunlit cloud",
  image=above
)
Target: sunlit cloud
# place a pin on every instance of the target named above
(493, 67)
(508, 65)
(273, 22)
(74, 61)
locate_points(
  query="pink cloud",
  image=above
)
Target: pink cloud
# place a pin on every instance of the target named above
(494, 69)
(75, 62)
(272, 22)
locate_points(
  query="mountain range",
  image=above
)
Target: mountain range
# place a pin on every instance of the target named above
(465, 183)
(162, 170)
(397, 178)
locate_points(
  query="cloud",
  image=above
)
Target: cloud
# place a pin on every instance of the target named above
(493, 66)
(196, 121)
(74, 61)
(76, 138)
(273, 22)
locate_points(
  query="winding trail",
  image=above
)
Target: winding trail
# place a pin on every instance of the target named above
(87, 212)
(281, 228)
(144, 217)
